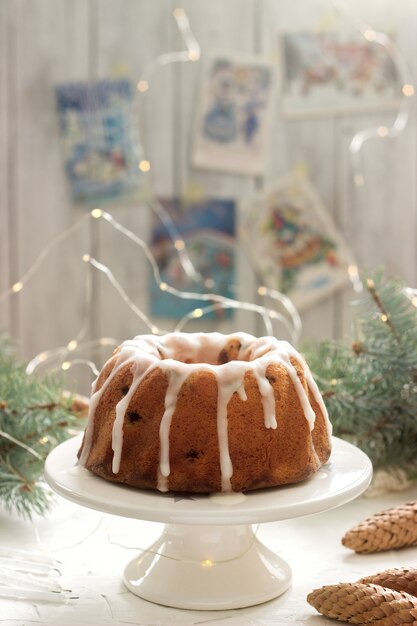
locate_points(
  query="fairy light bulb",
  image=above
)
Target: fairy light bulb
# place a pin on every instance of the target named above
(408, 90)
(178, 13)
(106, 341)
(72, 345)
(144, 166)
(65, 365)
(383, 131)
(369, 34)
(194, 55)
(96, 213)
(17, 287)
(142, 86)
(197, 313)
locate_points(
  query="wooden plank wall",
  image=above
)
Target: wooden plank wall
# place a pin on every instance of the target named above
(44, 42)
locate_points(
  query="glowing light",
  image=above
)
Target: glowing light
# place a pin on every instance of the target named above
(354, 278)
(207, 563)
(333, 381)
(209, 283)
(42, 357)
(353, 271)
(194, 55)
(262, 291)
(179, 244)
(414, 301)
(43, 440)
(107, 341)
(178, 13)
(408, 90)
(86, 258)
(155, 330)
(96, 213)
(142, 85)
(163, 286)
(17, 287)
(370, 34)
(65, 365)
(144, 166)
(72, 345)
(198, 313)
(383, 131)
(370, 283)
(384, 317)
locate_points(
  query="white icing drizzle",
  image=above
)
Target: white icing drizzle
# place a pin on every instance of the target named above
(121, 408)
(268, 398)
(175, 383)
(94, 400)
(181, 354)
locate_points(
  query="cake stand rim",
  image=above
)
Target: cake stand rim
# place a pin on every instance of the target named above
(335, 484)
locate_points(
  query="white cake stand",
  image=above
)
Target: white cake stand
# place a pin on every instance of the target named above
(208, 556)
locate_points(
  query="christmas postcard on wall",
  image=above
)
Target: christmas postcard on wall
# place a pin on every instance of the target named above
(335, 73)
(233, 118)
(206, 231)
(100, 142)
(293, 242)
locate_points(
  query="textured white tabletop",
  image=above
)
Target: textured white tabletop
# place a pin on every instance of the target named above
(93, 549)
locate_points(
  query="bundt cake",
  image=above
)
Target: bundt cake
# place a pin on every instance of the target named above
(205, 412)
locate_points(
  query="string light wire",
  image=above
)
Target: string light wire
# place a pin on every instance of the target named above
(190, 54)
(18, 286)
(293, 325)
(76, 345)
(407, 90)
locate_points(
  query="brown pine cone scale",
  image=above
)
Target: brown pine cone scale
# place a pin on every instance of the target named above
(359, 603)
(390, 529)
(399, 579)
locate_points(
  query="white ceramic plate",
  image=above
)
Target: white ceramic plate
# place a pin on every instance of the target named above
(343, 478)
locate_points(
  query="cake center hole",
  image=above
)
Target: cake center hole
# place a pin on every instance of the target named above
(205, 352)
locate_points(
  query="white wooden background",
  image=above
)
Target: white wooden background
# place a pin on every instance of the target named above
(44, 42)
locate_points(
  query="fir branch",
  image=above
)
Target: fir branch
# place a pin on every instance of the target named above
(34, 418)
(370, 387)
(21, 444)
(385, 316)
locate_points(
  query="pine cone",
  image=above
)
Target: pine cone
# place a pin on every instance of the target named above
(364, 604)
(399, 579)
(393, 528)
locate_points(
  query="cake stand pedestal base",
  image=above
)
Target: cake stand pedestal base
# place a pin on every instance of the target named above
(208, 568)
(208, 557)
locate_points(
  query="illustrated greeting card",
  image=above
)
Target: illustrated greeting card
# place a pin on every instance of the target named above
(207, 229)
(233, 119)
(294, 244)
(335, 72)
(100, 140)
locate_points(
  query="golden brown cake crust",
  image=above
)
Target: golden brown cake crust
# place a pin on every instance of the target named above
(260, 456)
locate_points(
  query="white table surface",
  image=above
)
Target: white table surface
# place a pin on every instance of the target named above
(94, 548)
